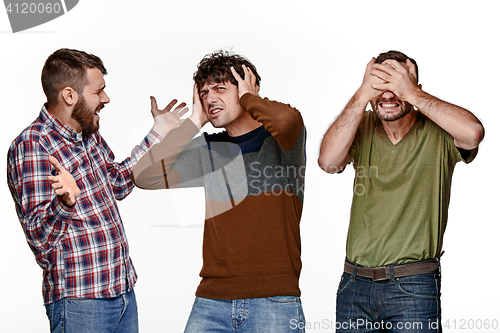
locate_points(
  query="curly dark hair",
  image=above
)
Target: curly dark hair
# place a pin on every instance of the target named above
(216, 68)
(67, 68)
(395, 55)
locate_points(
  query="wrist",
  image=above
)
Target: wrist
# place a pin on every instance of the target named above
(197, 121)
(415, 97)
(162, 130)
(361, 99)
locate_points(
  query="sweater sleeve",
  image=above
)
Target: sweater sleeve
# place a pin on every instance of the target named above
(154, 169)
(282, 120)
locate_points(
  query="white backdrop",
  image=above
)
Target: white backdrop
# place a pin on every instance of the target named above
(310, 54)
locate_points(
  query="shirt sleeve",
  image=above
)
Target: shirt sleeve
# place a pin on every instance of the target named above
(155, 169)
(119, 173)
(43, 216)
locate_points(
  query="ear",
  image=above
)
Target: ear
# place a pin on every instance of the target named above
(69, 96)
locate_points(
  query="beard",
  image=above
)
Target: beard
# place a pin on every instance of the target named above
(405, 108)
(85, 117)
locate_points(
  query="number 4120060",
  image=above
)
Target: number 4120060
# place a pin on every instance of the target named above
(471, 324)
(34, 8)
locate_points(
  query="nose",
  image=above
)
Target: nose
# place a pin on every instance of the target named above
(211, 96)
(388, 95)
(104, 98)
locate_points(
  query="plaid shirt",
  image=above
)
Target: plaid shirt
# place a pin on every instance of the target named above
(82, 250)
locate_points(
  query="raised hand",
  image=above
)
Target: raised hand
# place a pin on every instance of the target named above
(64, 184)
(367, 91)
(248, 85)
(399, 78)
(167, 119)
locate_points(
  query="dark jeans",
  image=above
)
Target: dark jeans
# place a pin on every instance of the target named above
(407, 304)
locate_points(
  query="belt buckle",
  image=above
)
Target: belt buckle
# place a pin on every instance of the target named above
(379, 274)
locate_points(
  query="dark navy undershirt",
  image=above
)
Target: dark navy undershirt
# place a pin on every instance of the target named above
(248, 143)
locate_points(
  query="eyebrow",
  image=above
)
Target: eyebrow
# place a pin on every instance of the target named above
(216, 84)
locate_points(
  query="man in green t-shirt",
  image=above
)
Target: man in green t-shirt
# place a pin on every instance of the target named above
(404, 153)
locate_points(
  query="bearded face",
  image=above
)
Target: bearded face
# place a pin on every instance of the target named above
(389, 107)
(86, 117)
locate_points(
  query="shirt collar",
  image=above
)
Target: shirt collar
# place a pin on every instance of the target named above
(58, 126)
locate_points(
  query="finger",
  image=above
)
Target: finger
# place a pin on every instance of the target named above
(61, 191)
(379, 86)
(55, 163)
(385, 68)
(182, 112)
(154, 105)
(56, 186)
(251, 76)
(170, 105)
(196, 94)
(236, 75)
(411, 67)
(179, 107)
(381, 74)
(393, 63)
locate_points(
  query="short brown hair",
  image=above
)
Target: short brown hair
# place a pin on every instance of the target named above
(395, 55)
(67, 68)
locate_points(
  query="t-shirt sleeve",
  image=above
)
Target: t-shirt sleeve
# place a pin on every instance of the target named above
(468, 155)
(460, 154)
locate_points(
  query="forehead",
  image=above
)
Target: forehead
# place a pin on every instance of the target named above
(94, 77)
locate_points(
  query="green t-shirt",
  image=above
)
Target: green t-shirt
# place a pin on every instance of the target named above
(401, 192)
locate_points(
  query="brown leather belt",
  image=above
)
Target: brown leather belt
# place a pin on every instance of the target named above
(384, 273)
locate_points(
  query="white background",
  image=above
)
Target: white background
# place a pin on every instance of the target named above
(311, 54)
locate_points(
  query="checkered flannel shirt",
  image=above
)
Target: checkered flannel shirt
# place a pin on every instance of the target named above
(82, 250)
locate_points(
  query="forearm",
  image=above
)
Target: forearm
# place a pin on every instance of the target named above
(334, 149)
(282, 120)
(119, 172)
(151, 170)
(43, 215)
(465, 128)
(45, 225)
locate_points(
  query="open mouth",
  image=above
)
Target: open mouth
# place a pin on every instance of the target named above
(214, 111)
(98, 110)
(385, 105)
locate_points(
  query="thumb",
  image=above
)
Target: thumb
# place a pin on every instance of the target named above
(55, 163)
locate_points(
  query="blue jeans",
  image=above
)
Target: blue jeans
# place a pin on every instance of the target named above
(270, 314)
(94, 315)
(407, 304)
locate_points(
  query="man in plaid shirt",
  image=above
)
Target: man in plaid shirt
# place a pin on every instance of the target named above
(65, 183)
